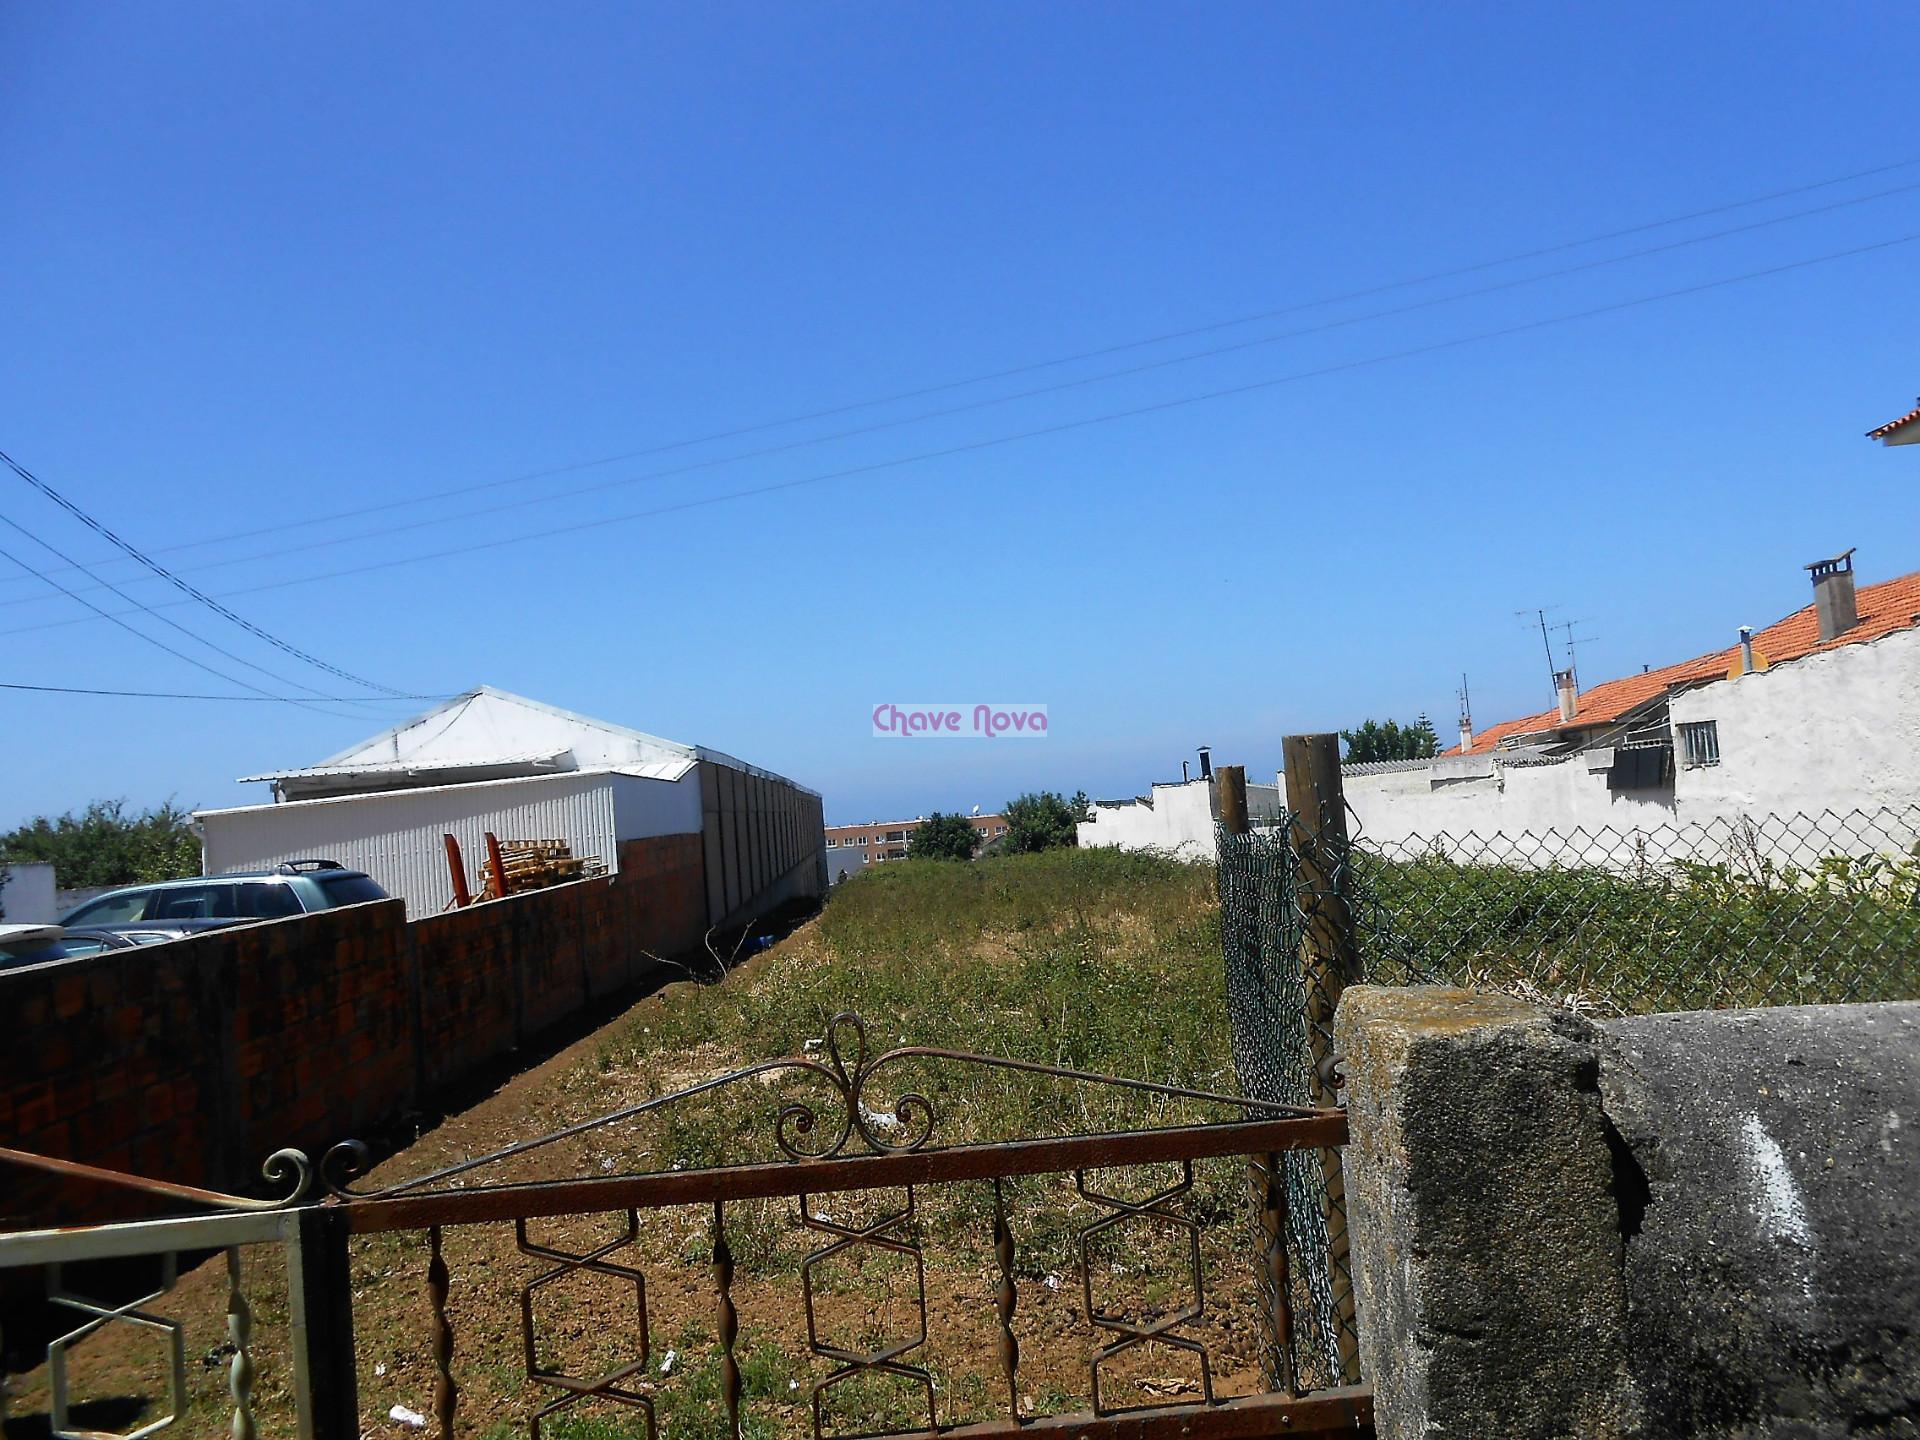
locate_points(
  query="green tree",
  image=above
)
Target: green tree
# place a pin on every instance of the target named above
(1081, 806)
(1391, 741)
(106, 845)
(943, 837)
(1039, 821)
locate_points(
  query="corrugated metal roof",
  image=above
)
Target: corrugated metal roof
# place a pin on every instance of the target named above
(657, 769)
(408, 767)
(462, 731)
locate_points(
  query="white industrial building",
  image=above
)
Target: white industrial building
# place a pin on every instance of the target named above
(493, 761)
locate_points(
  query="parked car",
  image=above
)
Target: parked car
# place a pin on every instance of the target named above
(31, 944)
(295, 888)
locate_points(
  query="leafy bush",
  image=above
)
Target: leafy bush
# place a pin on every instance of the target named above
(106, 845)
(1040, 821)
(943, 837)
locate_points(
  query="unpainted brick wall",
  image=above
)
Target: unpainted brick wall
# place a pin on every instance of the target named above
(195, 1060)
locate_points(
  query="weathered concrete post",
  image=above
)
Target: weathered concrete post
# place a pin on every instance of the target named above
(1486, 1241)
(1701, 1226)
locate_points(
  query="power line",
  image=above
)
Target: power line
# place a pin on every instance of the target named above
(1060, 386)
(179, 695)
(168, 621)
(116, 619)
(157, 568)
(1093, 354)
(1062, 427)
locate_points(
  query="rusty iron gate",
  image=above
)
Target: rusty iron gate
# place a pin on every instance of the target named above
(838, 1145)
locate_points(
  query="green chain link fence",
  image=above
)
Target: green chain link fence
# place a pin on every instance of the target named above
(1710, 915)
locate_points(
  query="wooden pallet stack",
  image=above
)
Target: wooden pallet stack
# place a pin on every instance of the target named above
(512, 867)
(536, 864)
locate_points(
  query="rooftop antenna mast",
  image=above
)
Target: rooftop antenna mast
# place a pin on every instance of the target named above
(1573, 642)
(1540, 617)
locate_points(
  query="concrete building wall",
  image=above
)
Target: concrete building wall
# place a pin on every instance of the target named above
(27, 894)
(312, 1029)
(1480, 796)
(1837, 730)
(1175, 820)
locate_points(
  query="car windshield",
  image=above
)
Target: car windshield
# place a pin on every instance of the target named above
(350, 889)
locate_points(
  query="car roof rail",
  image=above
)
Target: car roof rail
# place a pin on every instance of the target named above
(296, 867)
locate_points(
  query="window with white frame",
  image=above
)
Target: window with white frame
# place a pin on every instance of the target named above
(831, 842)
(1699, 743)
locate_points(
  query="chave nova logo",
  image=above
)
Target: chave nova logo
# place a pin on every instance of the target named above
(962, 720)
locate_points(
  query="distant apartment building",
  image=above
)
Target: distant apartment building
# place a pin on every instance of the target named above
(851, 846)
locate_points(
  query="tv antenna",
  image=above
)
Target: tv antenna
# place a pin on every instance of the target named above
(1572, 643)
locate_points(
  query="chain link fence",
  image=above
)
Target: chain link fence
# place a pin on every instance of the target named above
(1279, 1010)
(1718, 914)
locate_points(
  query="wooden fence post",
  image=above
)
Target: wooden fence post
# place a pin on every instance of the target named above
(1329, 962)
(1231, 783)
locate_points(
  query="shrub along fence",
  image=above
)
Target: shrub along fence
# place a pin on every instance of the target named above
(1724, 913)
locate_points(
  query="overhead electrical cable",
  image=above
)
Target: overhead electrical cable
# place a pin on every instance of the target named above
(1057, 387)
(180, 695)
(1062, 427)
(117, 618)
(188, 590)
(1012, 372)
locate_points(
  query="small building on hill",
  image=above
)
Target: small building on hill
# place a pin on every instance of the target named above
(491, 761)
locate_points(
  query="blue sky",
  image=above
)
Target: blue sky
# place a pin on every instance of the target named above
(260, 265)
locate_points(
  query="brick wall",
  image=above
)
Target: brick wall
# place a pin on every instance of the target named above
(195, 1060)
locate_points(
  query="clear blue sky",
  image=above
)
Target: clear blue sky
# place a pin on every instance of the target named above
(260, 264)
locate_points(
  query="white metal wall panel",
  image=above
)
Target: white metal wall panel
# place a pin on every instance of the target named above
(644, 808)
(395, 836)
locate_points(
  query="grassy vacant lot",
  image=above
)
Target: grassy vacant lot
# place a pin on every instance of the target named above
(1095, 960)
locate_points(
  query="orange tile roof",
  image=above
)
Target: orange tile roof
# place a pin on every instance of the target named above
(1881, 432)
(1883, 608)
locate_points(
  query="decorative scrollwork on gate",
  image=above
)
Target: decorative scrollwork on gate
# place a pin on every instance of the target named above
(804, 1129)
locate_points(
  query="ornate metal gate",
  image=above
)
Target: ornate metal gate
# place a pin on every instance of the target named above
(858, 1171)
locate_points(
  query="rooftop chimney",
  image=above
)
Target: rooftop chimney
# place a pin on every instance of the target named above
(1206, 762)
(1569, 698)
(1833, 595)
(1746, 650)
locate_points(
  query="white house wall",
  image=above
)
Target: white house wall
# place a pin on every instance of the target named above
(1501, 800)
(27, 893)
(1837, 730)
(1178, 823)
(395, 836)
